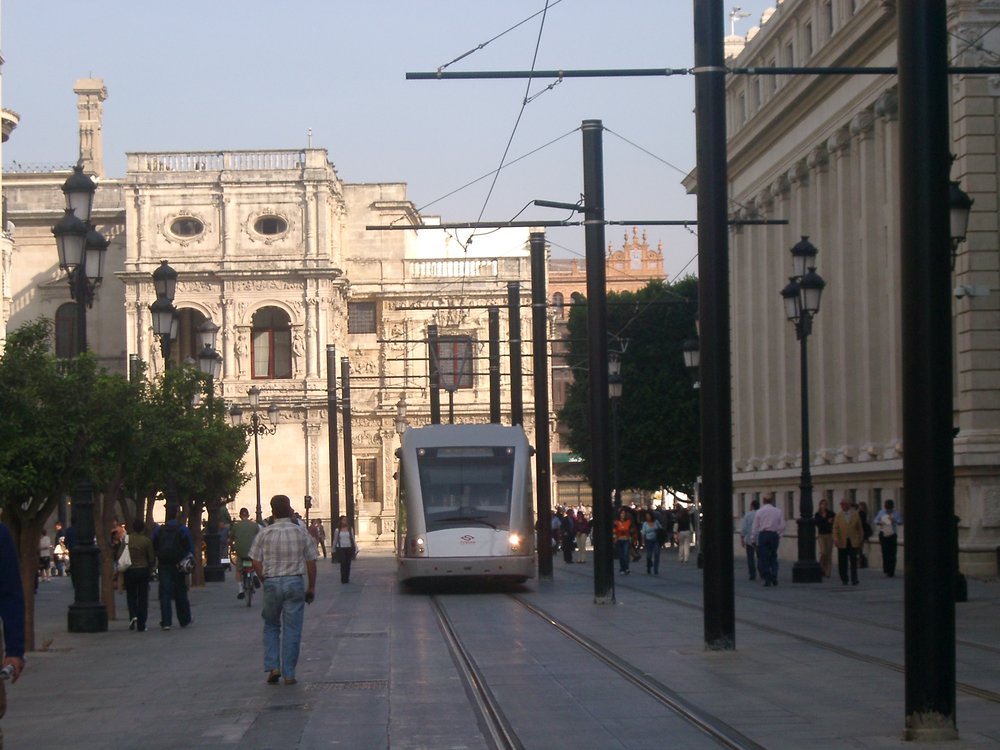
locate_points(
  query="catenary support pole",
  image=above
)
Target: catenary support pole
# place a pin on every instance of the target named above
(543, 451)
(514, 335)
(713, 307)
(928, 472)
(494, 331)
(597, 356)
(432, 369)
(345, 384)
(331, 414)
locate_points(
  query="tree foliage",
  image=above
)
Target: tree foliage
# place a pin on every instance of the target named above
(658, 409)
(64, 419)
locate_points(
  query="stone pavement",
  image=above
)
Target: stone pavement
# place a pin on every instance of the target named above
(375, 674)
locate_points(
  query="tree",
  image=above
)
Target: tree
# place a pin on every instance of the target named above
(658, 411)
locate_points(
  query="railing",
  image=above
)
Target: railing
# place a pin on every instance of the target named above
(449, 268)
(16, 167)
(216, 161)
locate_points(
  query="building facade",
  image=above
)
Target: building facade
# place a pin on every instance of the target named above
(272, 247)
(823, 153)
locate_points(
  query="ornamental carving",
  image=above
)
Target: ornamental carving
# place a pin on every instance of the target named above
(887, 105)
(863, 124)
(781, 186)
(261, 285)
(818, 158)
(839, 143)
(991, 506)
(798, 174)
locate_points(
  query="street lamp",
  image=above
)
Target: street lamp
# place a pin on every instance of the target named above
(258, 429)
(163, 310)
(210, 365)
(960, 206)
(81, 251)
(801, 298)
(692, 358)
(615, 394)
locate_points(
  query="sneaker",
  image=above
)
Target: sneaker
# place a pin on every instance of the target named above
(273, 676)
(164, 627)
(132, 623)
(241, 595)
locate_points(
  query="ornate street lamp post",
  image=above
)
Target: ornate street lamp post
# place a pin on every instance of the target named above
(258, 429)
(81, 254)
(802, 296)
(210, 365)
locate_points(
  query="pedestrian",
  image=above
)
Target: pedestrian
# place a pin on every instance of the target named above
(748, 540)
(11, 614)
(623, 540)
(768, 526)
(137, 575)
(581, 525)
(867, 530)
(567, 535)
(345, 548)
(886, 521)
(45, 556)
(556, 529)
(282, 553)
(318, 534)
(243, 533)
(171, 543)
(823, 518)
(651, 539)
(848, 534)
(683, 523)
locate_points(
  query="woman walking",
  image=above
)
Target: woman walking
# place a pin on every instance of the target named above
(344, 548)
(140, 550)
(623, 540)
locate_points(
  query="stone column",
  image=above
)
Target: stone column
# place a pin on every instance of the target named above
(90, 93)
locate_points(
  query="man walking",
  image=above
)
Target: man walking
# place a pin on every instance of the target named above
(848, 533)
(768, 526)
(172, 543)
(282, 553)
(748, 540)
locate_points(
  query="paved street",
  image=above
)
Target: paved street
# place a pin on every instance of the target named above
(374, 672)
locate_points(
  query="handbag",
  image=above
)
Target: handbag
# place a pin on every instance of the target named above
(125, 558)
(186, 564)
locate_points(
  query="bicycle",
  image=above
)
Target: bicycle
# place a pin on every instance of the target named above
(249, 579)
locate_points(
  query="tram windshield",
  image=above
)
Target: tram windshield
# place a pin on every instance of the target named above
(466, 486)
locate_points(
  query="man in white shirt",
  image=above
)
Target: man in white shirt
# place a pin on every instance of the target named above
(748, 540)
(282, 553)
(768, 526)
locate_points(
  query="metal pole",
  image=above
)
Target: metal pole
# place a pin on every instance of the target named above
(617, 485)
(255, 424)
(345, 381)
(86, 613)
(494, 331)
(516, 380)
(331, 412)
(597, 356)
(928, 468)
(80, 282)
(806, 568)
(435, 380)
(543, 452)
(713, 295)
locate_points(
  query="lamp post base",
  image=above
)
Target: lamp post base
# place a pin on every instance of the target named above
(807, 571)
(215, 573)
(91, 617)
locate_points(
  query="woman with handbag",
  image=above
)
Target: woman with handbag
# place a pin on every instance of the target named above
(344, 548)
(141, 559)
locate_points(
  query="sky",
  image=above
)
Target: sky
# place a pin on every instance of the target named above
(211, 75)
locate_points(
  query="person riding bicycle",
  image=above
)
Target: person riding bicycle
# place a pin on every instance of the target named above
(241, 537)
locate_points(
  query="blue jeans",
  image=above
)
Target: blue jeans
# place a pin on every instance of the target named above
(173, 588)
(622, 547)
(767, 555)
(652, 555)
(283, 613)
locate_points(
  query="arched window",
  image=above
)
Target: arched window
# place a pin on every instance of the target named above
(66, 339)
(271, 344)
(186, 345)
(557, 302)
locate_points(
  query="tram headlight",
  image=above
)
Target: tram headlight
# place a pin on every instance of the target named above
(515, 541)
(417, 546)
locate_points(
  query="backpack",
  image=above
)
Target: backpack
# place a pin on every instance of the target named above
(170, 544)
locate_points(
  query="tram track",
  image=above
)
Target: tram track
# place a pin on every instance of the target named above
(962, 687)
(498, 730)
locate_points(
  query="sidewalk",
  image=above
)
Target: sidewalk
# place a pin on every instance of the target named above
(368, 656)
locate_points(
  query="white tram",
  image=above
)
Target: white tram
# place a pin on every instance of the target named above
(465, 503)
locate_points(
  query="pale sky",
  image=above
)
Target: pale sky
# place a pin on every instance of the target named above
(209, 75)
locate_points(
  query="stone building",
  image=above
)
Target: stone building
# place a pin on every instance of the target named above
(272, 247)
(823, 152)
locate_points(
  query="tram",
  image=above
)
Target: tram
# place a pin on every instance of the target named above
(465, 507)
